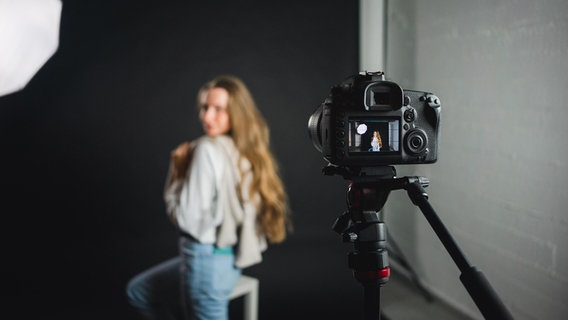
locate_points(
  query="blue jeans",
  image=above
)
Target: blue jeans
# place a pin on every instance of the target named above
(194, 285)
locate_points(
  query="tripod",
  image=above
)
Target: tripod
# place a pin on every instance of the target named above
(362, 225)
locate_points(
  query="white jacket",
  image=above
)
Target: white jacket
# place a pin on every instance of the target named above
(207, 204)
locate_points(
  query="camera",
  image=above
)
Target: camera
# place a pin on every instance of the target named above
(367, 121)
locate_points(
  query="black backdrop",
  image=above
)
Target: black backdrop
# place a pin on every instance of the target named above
(85, 149)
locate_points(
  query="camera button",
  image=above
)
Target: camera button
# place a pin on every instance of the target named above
(409, 115)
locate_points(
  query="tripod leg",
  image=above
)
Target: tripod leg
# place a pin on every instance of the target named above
(371, 308)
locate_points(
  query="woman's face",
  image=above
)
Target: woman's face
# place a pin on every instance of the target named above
(214, 114)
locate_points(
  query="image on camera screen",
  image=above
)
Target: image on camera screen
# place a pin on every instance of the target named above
(380, 135)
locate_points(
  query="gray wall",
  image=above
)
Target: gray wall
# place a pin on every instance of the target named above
(500, 185)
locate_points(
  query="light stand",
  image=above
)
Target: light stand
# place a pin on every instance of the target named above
(362, 225)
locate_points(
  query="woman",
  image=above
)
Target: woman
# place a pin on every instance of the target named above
(225, 195)
(377, 142)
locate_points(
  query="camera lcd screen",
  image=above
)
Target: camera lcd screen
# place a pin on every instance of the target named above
(374, 135)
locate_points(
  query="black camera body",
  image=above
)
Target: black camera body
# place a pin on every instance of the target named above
(367, 121)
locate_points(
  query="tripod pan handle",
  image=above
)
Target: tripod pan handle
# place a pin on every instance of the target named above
(483, 295)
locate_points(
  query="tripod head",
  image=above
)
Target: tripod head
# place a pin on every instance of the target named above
(362, 225)
(368, 192)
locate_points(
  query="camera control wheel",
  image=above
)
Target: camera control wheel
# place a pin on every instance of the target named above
(415, 142)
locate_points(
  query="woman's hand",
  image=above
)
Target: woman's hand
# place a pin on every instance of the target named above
(181, 157)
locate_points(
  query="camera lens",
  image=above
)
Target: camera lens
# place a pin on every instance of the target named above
(314, 128)
(416, 141)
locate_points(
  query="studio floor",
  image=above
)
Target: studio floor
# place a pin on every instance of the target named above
(403, 300)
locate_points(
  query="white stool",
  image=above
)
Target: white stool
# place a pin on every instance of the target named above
(247, 287)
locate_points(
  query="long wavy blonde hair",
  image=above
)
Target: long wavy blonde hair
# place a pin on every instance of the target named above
(251, 135)
(378, 136)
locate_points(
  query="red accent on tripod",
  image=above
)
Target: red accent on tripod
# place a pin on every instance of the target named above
(372, 275)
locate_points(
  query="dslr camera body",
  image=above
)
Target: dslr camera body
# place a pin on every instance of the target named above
(367, 121)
